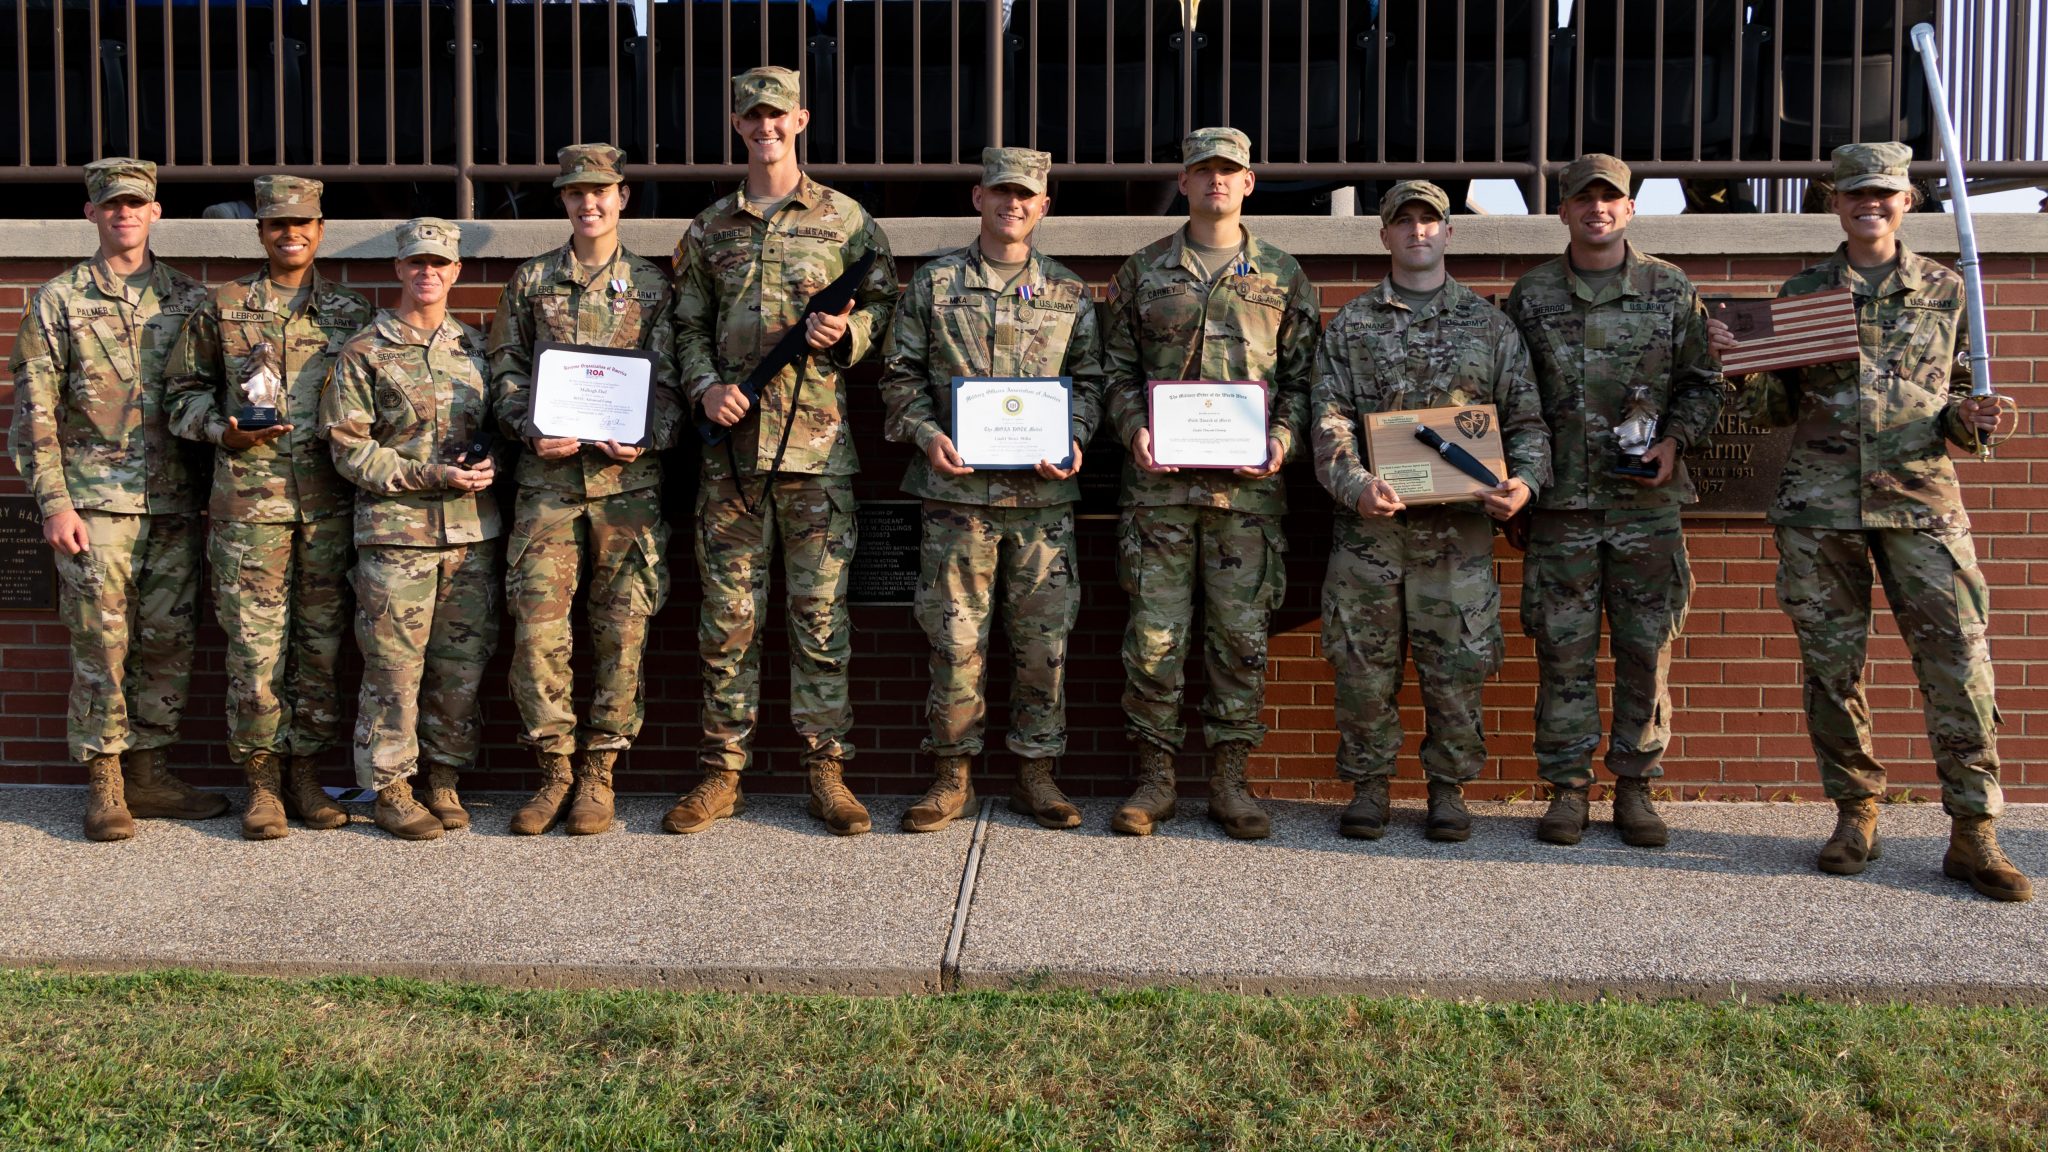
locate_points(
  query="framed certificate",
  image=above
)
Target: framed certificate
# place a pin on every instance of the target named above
(1208, 423)
(1421, 474)
(593, 394)
(1013, 422)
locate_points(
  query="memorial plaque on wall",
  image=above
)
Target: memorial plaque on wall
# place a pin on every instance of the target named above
(885, 562)
(1736, 469)
(28, 569)
(1101, 479)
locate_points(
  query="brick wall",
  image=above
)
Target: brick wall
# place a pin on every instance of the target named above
(1739, 729)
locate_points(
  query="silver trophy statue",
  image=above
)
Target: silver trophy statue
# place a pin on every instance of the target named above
(1636, 432)
(260, 390)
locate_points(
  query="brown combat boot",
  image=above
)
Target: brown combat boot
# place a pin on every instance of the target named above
(106, 812)
(305, 800)
(1854, 842)
(1974, 857)
(153, 793)
(1038, 797)
(1154, 800)
(715, 797)
(1229, 804)
(1449, 820)
(263, 819)
(1565, 820)
(1365, 818)
(833, 803)
(951, 794)
(1635, 817)
(544, 811)
(590, 813)
(400, 814)
(441, 798)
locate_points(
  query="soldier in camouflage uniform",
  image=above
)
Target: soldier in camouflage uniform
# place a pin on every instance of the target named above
(1613, 335)
(119, 505)
(1869, 482)
(595, 504)
(1210, 302)
(406, 413)
(280, 544)
(744, 271)
(1416, 578)
(995, 308)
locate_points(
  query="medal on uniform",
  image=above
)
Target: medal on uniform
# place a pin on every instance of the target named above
(1026, 292)
(618, 295)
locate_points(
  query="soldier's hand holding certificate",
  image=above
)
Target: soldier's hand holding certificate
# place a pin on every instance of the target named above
(1208, 423)
(592, 394)
(1013, 422)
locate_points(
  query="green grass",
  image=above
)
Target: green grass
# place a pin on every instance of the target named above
(187, 1060)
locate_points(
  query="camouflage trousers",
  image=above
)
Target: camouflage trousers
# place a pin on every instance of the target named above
(130, 601)
(427, 623)
(621, 540)
(1632, 564)
(1939, 598)
(281, 593)
(1421, 582)
(969, 552)
(1237, 560)
(812, 518)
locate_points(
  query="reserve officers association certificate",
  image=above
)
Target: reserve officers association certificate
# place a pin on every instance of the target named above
(1208, 423)
(1013, 422)
(589, 393)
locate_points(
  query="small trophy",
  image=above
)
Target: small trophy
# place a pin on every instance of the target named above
(1636, 432)
(260, 390)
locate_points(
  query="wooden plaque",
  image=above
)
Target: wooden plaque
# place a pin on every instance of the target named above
(1415, 471)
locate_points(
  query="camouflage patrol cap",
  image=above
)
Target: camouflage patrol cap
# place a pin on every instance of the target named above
(778, 88)
(120, 176)
(429, 236)
(1225, 143)
(1020, 166)
(288, 198)
(1589, 168)
(1873, 166)
(590, 164)
(1408, 190)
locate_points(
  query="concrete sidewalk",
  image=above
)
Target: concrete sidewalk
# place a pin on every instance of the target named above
(771, 901)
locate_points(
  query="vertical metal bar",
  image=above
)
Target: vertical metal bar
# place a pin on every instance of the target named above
(355, 109)
(313, 38)
(1966, 139)
(242, 81)
(170, 93)
(1187, 77)
(1620, 25)
(540, 87)
(1073, 80)
(1458, 104)
(994, 15)
(1819, 62)
(1657, 82)
(1421, 76)
(465, 108)
(575, 82)
(390, 85)
(1301, 153)
(1778, 70)
(611, 51)
(21, 77)
(916, 85)
(1699, 67)
(839, 72)
(1037, 84)
(92, 28)
(1580, 42)
(135, 95)
(1379, 68)
(1109, 83)
(1735, 94)
(1265, 149)
(1500, 79)
(1229, 66)
(1343, 80)
(276, 77)
(651, 49)
(1538, 193)
(504, 98)
(953, 78)
(57, 43)
(427, 81)
(1900, 70)
(803, 67)
(1856, 27)
(1147, 136)
(879, 72)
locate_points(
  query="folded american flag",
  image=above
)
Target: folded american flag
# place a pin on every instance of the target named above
(1789, 332)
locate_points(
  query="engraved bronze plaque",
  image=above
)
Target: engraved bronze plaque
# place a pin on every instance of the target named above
(885, 562)
(28, 569)
(1736, 469)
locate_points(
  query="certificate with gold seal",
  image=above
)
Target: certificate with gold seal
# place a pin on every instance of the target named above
(1208, 423)
(1013, 422)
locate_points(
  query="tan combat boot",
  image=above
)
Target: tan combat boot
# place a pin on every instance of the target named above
(106, 812)
(715, 797)
(400, 814)
(1565, 820)
(1974, 857)
(1229, 804)
(442, 800)
(951, 794)
(1154, 800)
(833, 803)
(1365, 818)
(1038, 797)
(545, 810)
(153, 793)
(1854, 842)
(263, 819)
(305, 800)
(1449, 820)
(590, 812)
(1635, 817)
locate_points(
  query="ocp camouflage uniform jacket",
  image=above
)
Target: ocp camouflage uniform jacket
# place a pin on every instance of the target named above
(291, 479)
(956, 319)
(741, 282)
(1166, 322)
(1870, 450)
(89, 430)
(554, 298)
(1379, 355)
(1647, 326)
(397, 412)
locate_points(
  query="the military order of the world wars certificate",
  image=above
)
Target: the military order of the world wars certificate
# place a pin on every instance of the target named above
(1013, 422)
(1208, 423)
(592, 394)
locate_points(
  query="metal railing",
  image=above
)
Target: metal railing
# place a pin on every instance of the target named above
(462, 92)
